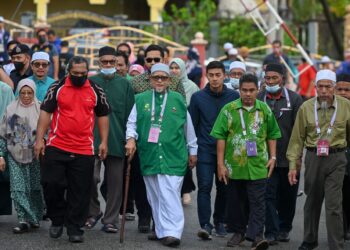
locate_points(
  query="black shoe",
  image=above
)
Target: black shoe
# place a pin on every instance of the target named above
(22, 227)
(153, 237)
(271, 240)
(283, 237)
(76, 238)
(260, 244)
(144, 225)
(171, 241)
(235, 240)
(56, 231)
(205, 232)
(308, 246)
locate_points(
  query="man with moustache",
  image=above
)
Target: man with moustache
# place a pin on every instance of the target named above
(322, 126)
(280, 196)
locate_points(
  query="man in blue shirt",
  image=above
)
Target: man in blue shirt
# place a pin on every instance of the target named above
(40, 66)
(204, 108)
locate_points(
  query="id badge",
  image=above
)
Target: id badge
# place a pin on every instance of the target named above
(154, 133)
(322, 148)
(251, 148)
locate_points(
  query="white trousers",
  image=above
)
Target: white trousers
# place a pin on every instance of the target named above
(164, 196)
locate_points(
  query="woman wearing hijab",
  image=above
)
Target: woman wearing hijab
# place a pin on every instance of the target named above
(178, 69)
(17, 137)
(6, 97)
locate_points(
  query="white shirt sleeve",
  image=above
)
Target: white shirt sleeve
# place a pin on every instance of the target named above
(191, 137)
(131, 124)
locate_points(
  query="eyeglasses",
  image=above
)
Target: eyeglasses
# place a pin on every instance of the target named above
(106, 62)
(155, 59)
(236, 74)
(162, 78)
(43, 65)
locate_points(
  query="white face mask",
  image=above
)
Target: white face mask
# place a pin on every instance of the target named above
(273, 89)
(234, 83)
(108, 71)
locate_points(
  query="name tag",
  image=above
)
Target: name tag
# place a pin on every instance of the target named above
(154, 132)
(251, 148)
(322, 148)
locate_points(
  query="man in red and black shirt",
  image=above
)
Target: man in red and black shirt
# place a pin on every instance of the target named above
(68, 162)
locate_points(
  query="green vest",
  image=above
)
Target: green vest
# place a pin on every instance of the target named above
(120, 96)
(169, 156)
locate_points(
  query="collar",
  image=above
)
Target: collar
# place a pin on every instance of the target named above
(35, 79)
(276, 97)
(257, 105)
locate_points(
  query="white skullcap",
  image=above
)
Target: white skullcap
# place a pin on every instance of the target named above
(228, 46)
(238, 65)
(325, 59)
(160, 67)
(326, 74)
(233, 51)
(40, 55)
(1, 19)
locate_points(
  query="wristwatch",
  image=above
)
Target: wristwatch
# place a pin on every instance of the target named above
(273, 158)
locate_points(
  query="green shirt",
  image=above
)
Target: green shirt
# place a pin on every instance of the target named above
(121, 99)
(169, 156)
(304, 130)
(228, 127)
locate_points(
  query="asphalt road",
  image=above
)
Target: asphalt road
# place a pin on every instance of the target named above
(96, 239)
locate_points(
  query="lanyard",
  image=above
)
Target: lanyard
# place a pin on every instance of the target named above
(255, 126)
(153, 114)
(330, 127)
(287, 97)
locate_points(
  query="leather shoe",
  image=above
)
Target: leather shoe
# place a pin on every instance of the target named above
(76, 238)
(56, 231)
(170, 241)
(152, 237)
(308, 246)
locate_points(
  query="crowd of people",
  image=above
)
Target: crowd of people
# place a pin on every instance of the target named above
(60, 124)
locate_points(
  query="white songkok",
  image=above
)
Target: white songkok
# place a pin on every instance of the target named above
(160, 67)
(238, 65)
(228, 46)
(233, 52)
(40, 55)
(326, 74)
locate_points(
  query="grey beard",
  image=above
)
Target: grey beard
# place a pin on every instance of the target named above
(324, 107)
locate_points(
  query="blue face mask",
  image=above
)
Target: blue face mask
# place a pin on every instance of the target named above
(108, 71)
(234, 83)
(273, 89)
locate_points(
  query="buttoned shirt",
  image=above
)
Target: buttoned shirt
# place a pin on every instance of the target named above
(42, 85)
(304, 130)
(228, 127)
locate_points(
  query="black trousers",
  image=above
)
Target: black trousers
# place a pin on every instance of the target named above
(346, 203)
(144, 211)
(246, 207)
(66, 179)
(188, 185)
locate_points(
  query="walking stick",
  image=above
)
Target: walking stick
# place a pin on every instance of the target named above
(126, 190)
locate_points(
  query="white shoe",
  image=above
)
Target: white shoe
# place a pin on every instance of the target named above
(186, 199)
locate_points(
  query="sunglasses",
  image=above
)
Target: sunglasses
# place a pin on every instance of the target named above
(155, 59)
(43, 65)
(162, 78)
(106, 62)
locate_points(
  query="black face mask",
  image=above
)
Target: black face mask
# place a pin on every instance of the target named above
(78, 81)
(19, 65)
(42, 39)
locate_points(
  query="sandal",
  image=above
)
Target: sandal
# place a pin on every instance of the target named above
(92, 221)
(110, 228)
(22, 227)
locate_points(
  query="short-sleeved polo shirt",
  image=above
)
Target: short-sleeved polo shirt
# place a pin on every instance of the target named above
(73, 119)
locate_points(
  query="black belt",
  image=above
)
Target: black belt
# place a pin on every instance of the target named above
(331, 150)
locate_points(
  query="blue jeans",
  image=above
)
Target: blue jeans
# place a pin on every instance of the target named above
(280, 203)
(205, 176)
